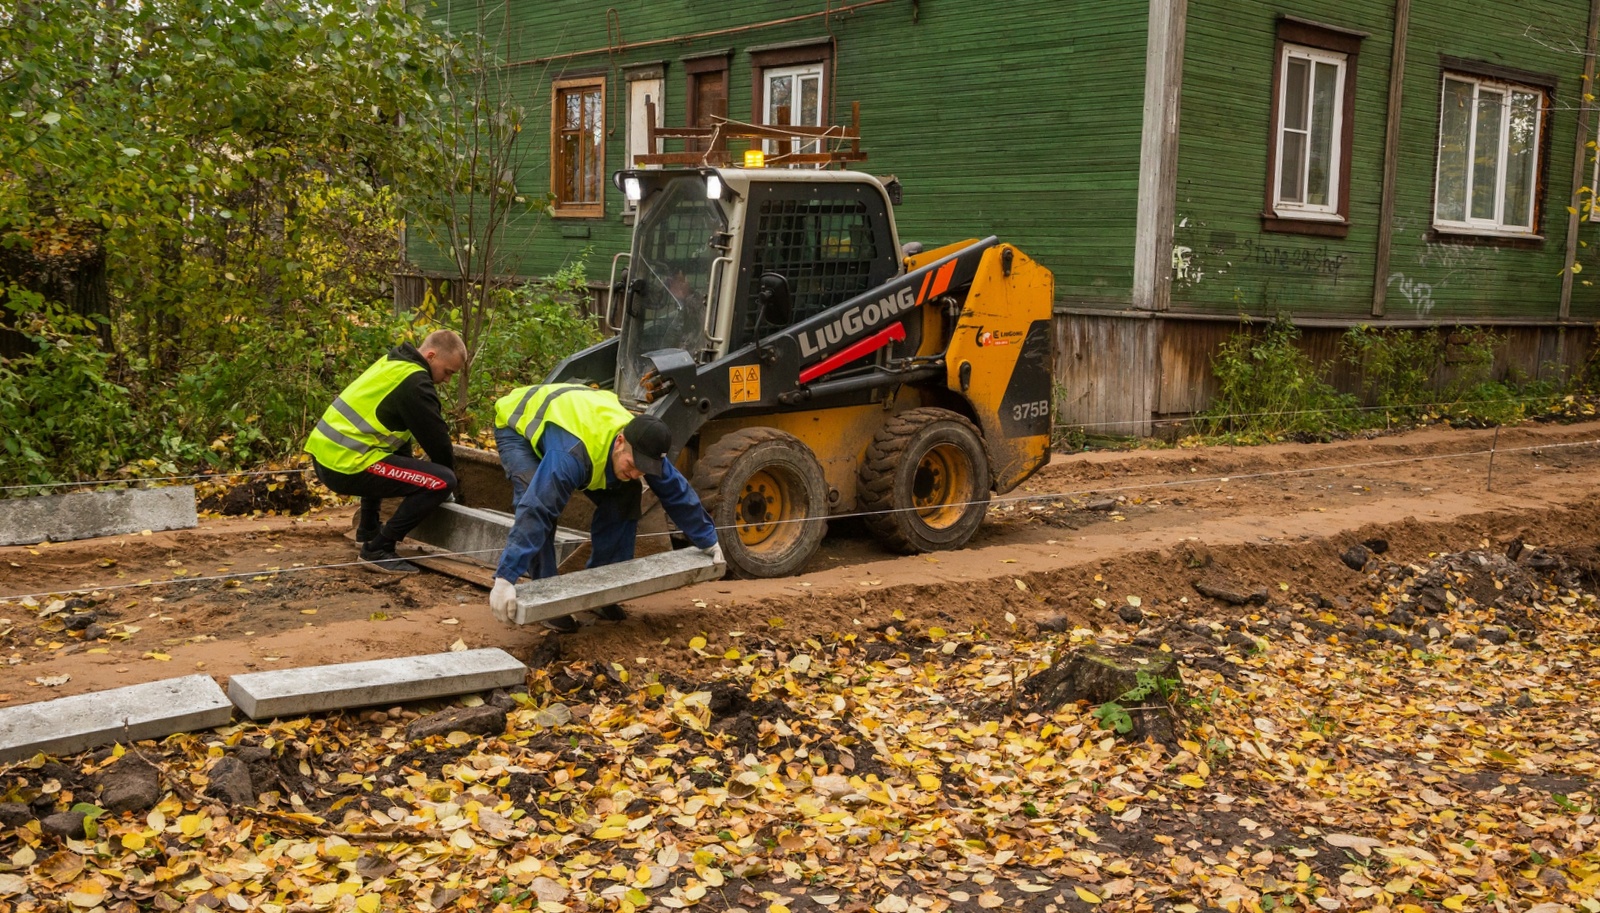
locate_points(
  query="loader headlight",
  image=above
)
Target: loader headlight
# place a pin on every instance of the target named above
(632, 190)
(713, 187)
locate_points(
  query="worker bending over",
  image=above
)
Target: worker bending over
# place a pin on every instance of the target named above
(362, 445)
(556, 439)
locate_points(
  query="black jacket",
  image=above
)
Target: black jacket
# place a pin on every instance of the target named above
(414, 406)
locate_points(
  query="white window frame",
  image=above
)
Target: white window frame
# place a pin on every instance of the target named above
(770, 116)
(640, 89)
(1296, 210)
(1592, 204)
(1497, 225)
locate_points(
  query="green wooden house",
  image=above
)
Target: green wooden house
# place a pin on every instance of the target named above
(1175, 163)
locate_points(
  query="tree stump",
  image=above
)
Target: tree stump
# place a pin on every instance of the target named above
(1145, 685)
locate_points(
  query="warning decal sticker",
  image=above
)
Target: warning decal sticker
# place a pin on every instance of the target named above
(744, 384)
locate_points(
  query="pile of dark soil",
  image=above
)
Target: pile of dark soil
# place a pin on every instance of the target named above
(286, 494)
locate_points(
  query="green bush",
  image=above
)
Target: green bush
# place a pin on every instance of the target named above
(1397, 366)
(1422, 375)
(260, 401)
(75, 412)
(1064, 438)
(63, 416)
(1268, 388)
(534, 326)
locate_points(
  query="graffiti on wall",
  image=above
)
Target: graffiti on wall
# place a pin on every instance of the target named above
(1306, 261)
(1225, 251)
(1450, 255)
(1418, 295)
(1444, 252)
(1183, 266)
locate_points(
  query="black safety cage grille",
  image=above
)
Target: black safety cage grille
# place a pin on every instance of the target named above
(825, 248)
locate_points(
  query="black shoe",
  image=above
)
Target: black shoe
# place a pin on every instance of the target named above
(365, 534)
(384, 560)
(564, 624)
(612, 612)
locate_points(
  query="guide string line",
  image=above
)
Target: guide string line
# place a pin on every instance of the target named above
(1014, 499)
(1055, 426)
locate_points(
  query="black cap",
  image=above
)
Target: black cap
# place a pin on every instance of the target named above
(650, 440)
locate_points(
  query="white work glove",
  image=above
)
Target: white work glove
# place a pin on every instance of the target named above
(503, 600)
(715, 554)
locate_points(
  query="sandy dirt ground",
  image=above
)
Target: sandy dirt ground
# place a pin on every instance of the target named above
(1063, 550)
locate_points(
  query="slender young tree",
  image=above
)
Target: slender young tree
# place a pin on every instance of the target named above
(474, 137)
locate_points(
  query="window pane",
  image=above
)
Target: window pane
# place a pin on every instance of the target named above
(811, 108)
(597, 140)
(1295, 78)
(1486, 153)
(1455, 124)
(810, 101)
(586, 180)
(1521, 151)
(574, 111)
(570, 153)
(1292, 166)
(780, 94)
(1325, 91)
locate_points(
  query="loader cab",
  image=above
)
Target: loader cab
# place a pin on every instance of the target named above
(830, 235)
(709, 243)
(680, 244)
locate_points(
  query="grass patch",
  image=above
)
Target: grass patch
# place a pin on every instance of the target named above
(1269, 389)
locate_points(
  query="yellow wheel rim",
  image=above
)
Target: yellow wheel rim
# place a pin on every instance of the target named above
(941, 486)
(767, 500)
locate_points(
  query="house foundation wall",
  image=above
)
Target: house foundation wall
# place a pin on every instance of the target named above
(1121, 375)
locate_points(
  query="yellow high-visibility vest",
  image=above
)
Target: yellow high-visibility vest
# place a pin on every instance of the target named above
(349, 438)
(594, 417)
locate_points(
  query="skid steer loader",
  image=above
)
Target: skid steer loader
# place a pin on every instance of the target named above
(810, 368)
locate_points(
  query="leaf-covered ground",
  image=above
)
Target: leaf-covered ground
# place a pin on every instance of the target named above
(1431, 746)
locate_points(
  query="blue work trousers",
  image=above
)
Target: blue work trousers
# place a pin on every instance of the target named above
(541, 486)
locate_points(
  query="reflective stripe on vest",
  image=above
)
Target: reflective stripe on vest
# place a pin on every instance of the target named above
(510, 410)
(349, 438)
(592, 416)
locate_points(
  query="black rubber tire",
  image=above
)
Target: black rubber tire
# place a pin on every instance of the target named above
(924, 485)
(767, 495)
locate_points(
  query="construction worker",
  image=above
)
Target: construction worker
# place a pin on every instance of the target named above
(557, 439)
(362, 445)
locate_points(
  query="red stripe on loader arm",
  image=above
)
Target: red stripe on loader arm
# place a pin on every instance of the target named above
(893, 333)
(942, 281)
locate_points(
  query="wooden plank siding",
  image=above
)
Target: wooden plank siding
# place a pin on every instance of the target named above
(1025, 120)
(1185, 349)
(1232, 265)
(1019, 119)
(1100, 367)
(1453, 277)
